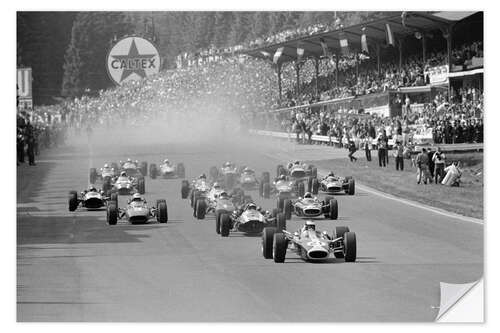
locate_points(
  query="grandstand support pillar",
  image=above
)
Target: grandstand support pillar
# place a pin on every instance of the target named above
(424, 48)
(279, 82)
(316, 66)
(378, 59)
(400, 44)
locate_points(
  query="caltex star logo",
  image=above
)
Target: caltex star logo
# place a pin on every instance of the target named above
(126, 59)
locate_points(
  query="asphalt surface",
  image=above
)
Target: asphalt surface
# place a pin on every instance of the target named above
(74, 267)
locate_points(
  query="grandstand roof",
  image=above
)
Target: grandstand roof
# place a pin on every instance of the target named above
(375, 32)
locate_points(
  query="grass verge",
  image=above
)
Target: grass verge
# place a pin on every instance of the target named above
(465, 200)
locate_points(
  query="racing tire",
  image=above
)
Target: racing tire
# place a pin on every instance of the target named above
(162, 215)
(191, 199)
(351, 186)
(314, 172)
(309, 184)
(280, 203)
(261, 189)
(152, 170)
(218, 215)
(350, 246)
(92, 175)
(225, 225)
(333, 209)
(112, 214)
(141, 185)
(280, 222)
(287, 208)
(201, 209)
(339, 232)
(266, 190)
(315, 186)
(181, 170)
(184, 189)
(267, 242)
(280, 244)
(106, 186)
(266, 177)
(214, 173)
(143, 166)
(301, 189)
(72, 201)
(113, 197)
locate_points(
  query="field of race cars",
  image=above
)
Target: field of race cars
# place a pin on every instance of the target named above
(239, 231)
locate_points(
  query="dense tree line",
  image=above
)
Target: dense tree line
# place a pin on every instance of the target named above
(67, 50)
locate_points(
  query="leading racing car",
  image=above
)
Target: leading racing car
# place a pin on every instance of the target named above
(309, 244)
(137, 211)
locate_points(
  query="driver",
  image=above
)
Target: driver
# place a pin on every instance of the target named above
(136, 197)
(223, 195)
(331, 174)
(308, 195)
(251, 206)
(123, 177)
(308, 226)
(106, 167)
(216, 186)
(202, 177)
(91, 189)
(282, 178)
(166, 161)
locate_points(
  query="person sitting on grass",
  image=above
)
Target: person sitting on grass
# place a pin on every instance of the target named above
(453, 174)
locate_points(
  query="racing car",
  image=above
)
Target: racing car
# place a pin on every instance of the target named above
(105, 173)
(137, 211)
(198, 188)
(124, 184)
(296, 170)
(249, 219)
(248, 179)
(134, 167)
(333, 184)
(284, 188)
(167, 170)
(309, 207)
(92, 198)
(228, 174)
(309, 244)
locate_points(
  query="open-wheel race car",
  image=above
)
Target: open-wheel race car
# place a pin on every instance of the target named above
(297, 170)
(248, 219)
(137, 211)
(309, 244)
(248, 179)
(133, 168)
(167, 170)
(106, 173)
(92, 198)
(126, 184)
(227, 175)
(311, 207)
(333, 184)
(283, 188)
(197, 188)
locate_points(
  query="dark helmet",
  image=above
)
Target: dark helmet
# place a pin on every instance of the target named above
(310, 225)
(203, 176)
(251, 206)
(123, 174)
(282, 177)
(92, 188)
(307, 195)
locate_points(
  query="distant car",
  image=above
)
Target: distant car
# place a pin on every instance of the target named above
(105, 173)
(334, 184)
(297, 170)
(198, 188)
(167, 170)
(248, 179)
(133, 168)
(283, 188)
(249, 220)
(126, 185)
(228, 175)
(311, 208)
(310, 245)
(137, 212)
(89, 199)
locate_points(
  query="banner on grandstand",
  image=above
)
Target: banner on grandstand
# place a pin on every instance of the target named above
(132, 58)
(344, 43)
(437, 75)
(24, 88)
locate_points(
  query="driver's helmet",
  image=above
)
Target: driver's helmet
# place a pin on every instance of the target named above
(165, 161)
(296, 163)
(202, 176)
(216, 186)
(223, 195)
(310, 225)
(247, 170)
(227, 164)
(307, 195)
(282, 177)
(92, 188)
(331, 174)
(123, 174)
(251, 206)
(129, 160)
(106, 165)
(136, 197)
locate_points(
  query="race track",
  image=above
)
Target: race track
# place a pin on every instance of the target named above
(74, 267)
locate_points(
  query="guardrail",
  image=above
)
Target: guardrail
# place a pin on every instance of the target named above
(462, 147)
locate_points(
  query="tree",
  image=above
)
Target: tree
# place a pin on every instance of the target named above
(91, 37)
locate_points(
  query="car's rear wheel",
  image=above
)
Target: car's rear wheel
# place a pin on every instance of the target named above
(333, 208)
(287, 208)
(184, 189)
(201, 207)
(162, 216)
(112, 214)
(280, 222)
(315, 186)
(225, 225)
(267, 242)
(218, 214)
(114, 198)
(92, 175)
(280, 244)
(72, 201)
(141, 185)
(152, 170)
(351, 187)
(266, 190)
(350, 246)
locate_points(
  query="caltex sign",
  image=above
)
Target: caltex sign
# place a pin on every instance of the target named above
(132, 58)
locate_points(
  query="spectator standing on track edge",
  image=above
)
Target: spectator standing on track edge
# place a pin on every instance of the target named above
(439, 160)
(352, 150)
(398, 154)
(382, 149)
(422, 162)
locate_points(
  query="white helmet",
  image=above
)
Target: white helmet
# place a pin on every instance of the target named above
(216, 185)
(165, 161)
(252, 206)
(123, 174)
(129, 160)
(106, 165)
(310, 225)
(136, 197)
